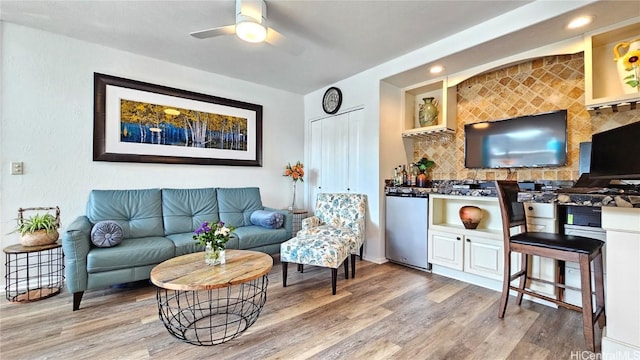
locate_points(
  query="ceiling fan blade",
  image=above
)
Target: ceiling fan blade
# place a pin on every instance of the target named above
(278, 40)
(209, 33)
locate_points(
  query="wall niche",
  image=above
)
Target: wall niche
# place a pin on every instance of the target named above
(540, 85)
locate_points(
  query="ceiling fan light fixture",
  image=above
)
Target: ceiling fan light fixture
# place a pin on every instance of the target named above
(250, 31)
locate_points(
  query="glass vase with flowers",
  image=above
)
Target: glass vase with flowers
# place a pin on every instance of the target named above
(296, 172)
(214, 237)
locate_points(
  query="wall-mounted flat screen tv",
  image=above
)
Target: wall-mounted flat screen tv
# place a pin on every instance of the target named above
(538, 140)
(614, 153)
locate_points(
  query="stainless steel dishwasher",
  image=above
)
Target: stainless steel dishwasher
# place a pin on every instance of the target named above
(406, 230)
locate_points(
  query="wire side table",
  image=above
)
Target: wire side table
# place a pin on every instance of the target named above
(298, 215)
(33, 272)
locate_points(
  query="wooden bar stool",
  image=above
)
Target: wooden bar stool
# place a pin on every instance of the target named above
(555, 246)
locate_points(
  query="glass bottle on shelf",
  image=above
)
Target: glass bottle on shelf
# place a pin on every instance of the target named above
(414, 175)
(395, 176)
(404, 176)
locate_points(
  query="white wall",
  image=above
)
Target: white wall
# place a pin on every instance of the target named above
(47, 122)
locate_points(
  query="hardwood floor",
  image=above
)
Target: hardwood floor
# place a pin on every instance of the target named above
(387, 311)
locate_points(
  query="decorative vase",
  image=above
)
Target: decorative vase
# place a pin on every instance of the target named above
(428, 112)
(421, 179)
(470, 216)
(213, 256)
(293, 197)
(39, 238)
(628, 64)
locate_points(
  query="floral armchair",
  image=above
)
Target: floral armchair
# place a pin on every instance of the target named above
(339, 215)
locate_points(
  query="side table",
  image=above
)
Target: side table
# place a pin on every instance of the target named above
(33, 272)
(298, 215)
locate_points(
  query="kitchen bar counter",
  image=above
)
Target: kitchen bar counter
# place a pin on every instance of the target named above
(599, 200)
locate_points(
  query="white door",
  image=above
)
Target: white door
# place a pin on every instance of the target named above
(313, 170)
(334, 161)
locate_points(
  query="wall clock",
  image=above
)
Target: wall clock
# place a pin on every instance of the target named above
(332, 100)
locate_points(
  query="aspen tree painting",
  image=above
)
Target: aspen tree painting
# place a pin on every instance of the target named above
(141, 122)
(164, 125)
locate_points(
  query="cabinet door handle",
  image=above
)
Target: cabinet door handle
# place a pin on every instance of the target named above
(458, 238)
(468, 240)
(530, 208)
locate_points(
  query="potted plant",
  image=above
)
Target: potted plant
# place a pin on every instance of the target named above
(38, 230)
(424, 165)
(214, 237)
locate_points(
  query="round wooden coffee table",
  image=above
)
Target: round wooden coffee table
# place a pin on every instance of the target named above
(209, 305)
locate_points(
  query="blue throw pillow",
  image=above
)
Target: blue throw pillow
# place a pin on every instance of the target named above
(106, 234)
(267, 219)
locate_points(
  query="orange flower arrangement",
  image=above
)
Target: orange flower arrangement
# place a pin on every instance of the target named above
(296, 172)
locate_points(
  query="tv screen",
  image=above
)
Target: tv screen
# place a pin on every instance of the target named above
(528, 141)
(614, 153)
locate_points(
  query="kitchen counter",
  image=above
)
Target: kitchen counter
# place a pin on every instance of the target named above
(445, 187)
(598, 200)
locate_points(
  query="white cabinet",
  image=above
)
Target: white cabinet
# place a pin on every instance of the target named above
(445, 248)
(335, 151)
(604, 88)
(479, 251)
(484, 256)
(541, 217)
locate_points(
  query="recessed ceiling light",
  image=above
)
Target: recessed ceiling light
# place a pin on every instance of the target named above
(580, 21)
(436, 69)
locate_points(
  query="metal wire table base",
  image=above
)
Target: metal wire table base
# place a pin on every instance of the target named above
(212, 317)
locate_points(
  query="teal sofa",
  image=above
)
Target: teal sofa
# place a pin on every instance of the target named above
(158, 224)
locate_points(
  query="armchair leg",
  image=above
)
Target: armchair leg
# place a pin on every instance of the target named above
(285, 265)
(346, 268)
(353, 265)
(300, 268)
(361, 251)
(77, 298)
(334, 280)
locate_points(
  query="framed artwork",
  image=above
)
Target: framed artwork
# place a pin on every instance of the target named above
(141, 122)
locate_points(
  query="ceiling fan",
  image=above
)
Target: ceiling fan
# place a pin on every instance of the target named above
(251, 26)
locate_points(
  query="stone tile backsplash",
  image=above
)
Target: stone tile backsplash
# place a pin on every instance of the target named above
(541, 85)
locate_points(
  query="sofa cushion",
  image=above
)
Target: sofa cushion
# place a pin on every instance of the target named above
(254, 236)
(130, 253)
(139, 212)
(106, 234)
(184, 243)
(237, 204)
(184, 210)
(267, 219)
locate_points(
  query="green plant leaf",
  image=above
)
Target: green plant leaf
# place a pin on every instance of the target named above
(633, 83)
(37, 222)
